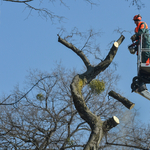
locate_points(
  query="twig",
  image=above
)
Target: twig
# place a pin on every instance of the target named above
(137, 147)
(17, 1)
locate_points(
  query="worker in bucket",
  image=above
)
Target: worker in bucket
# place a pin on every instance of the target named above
(141, 29)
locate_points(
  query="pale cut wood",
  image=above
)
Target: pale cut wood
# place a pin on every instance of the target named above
(116, 44)
(116, 119)
(110, 123)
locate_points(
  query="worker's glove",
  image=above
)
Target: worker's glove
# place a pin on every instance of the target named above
(133, 38)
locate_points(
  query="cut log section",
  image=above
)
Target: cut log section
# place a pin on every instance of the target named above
(128, 104)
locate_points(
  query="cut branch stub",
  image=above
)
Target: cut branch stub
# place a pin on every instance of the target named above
(110, 123)
(122, 99)
(109, 58)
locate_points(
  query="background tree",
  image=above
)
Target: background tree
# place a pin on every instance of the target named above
(53, 122)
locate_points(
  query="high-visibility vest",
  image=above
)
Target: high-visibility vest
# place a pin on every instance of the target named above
(141, 25)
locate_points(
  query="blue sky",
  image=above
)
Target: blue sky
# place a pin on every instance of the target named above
(30, 42)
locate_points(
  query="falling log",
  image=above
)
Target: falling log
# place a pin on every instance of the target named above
(122, 99)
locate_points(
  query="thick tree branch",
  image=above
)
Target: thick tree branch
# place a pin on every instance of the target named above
(76, 50)
(122, 99)
(76, 87)
(104, 64)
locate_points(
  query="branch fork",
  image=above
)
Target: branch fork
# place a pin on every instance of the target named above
(98, 127)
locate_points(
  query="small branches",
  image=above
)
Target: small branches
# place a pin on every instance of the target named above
(120, 31)
(126, 145)
(24, 95)
(44, 12)
(19, 1)
(137, 3)
(91, 2)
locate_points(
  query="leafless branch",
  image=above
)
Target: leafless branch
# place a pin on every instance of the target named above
(76, 50)
(121, 31)
(26, 92)
(131, 146)
(19, 1)
(137, 3)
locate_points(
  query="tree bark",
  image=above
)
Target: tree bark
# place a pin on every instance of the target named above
(121, 99)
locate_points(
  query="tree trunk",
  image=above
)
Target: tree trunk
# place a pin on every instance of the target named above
(98, 127)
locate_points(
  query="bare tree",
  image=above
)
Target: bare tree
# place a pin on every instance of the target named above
(47, 118)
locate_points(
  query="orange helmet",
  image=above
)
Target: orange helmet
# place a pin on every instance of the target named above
(137, 18)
